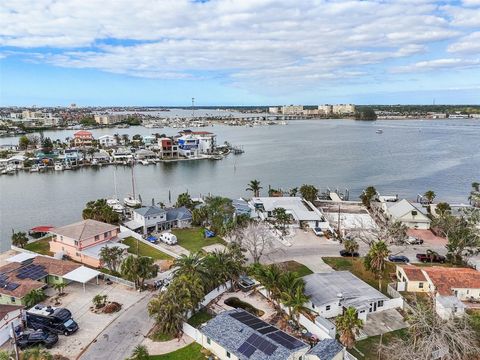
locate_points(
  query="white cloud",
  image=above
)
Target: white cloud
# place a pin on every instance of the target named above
(247, 41)
(438, 64)
(469, 44)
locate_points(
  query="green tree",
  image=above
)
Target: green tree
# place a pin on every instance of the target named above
(254, 187)
(192, 265)
(368, 195)
(34, 297)
(351, 246)
(366, 113)
(442, 209)
(5, 355)
(184, 199)
(348, 325)
(138, 269)
(269, 276)
(375, 260)
(309, 192)
(282, 218)
(292, 293)
(47, 145)
(23, 142)
(19, 239)
(220, 214)
(294, 191)
(140, 352)
(36, 353)
(429, 196)
(111, 257)
(100, 211)
(59, 287)
(99, 300)
(199, 216)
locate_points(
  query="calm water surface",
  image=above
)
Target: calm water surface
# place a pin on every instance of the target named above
(408, 158)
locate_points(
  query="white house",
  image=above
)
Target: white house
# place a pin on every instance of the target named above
(107, 140)
(331, 292)
(406, 213)
(8, 314)
(302, 212)
(149, 219)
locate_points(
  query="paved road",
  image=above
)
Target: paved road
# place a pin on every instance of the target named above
(119, 339)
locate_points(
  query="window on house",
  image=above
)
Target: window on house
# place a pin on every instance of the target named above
(327, 307)
(76, 242)
(56, 277)
(12, 299)
(208, 341)
(97, 237)
(420, 285)
(105, 235)
(228, 354)
(380, 303)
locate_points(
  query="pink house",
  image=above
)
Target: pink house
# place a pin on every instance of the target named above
(83, 138)
(82, 241)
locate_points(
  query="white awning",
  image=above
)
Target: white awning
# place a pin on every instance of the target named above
(82, 274)
(19, 258)
(133, 225)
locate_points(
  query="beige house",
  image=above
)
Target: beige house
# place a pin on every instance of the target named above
(82, 241)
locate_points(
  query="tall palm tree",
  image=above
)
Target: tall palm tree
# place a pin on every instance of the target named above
(254, 186)
(348, 325)
(443, 208)
(375, 260)
(269, 276)
(140, 353)
(476, 186)
(191, 264)
(429, 195)
(295, 301)
(368, 195)
(19, 239)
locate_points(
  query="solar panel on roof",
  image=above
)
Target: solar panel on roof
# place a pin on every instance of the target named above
(12, 286)
(267, 330)
(285, 340)
(246, 349)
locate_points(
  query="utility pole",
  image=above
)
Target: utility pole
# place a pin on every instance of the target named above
(193, 108)
(339, 235)
(14, 336)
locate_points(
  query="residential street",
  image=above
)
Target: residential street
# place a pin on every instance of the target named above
(122, 335)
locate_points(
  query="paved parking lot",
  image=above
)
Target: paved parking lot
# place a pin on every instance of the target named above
(90, 324)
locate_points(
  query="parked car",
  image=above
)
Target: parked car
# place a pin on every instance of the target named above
(168, 238)
(346, 253)
(35, 338)
(153, 239)
(51, 319)
(318, 231)
(398, 259)
(414, 241)
(431, 258)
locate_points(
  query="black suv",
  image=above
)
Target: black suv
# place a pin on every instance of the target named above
(35, 338)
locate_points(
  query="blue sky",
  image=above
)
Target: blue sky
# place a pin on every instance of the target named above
(239, 52)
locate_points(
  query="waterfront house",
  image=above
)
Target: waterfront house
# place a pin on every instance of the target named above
(168, 149)
(206, 141)
(107, 140)
(149, 140)
(83, 138)
(150, 219)
(302, 212)
(23, 274)
(122, 155)
(83, 240)
(406, 213)
(188, 145)
(241, 207)
(330, 293)
(101, 157)
(144, 154)
(72, 156)
(451, 287)
(239, 335)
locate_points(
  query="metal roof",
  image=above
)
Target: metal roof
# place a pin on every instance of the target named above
(149, 211)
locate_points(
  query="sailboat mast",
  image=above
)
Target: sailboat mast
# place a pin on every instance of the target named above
(133, 183)
(115, 182)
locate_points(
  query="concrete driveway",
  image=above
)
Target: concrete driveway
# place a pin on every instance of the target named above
(90, 324)
(383, 322)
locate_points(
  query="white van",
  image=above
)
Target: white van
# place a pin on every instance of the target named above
(168, 238)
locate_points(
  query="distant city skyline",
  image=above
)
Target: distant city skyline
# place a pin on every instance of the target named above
(239, 52)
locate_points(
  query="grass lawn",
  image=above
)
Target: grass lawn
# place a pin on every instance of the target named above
(190, 352)
(193, 239)
(368, 346)
(475, 320)
(292, 265)
(144, 249)
(40, 246)
(199, 318)
(356, 267)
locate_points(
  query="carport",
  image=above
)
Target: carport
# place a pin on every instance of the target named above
(82, 275)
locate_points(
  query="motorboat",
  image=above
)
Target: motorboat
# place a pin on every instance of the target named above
(59, 167)
(130, 201)
(116, 205)
(379, 131)
(34, 168)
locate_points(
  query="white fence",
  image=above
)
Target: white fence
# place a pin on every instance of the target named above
(313, 328)
(126, 232)
(195, 334)
(216, 292)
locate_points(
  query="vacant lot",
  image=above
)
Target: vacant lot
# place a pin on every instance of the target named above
(369, 346)
(144, 249)
(190, 352)
(356, 267)
(292, 265)
(40, 246)
(193, 239)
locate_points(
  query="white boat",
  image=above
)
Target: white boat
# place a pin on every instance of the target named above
(379, 131)
(67, 166)
(131, 200)
(59, 167)
(115, 205)
(35, 168)
(144, 162)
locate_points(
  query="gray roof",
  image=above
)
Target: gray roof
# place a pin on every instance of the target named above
(230, 333)
(94, 251)
(149, 211)
(326, 349)
(181, 213)
(325, 288)
(84, 229)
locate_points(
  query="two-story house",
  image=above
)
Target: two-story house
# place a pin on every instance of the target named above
(107, 140)
(150, 219)
(168, 148)
(82, 241)
(82, 138)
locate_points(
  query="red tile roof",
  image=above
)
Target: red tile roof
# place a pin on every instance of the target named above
(83, 133)
(413, 273)
(446, 279)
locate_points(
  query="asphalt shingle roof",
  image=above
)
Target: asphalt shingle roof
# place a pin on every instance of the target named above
(84, 229)
(181, 213)
(149, 211)
(326, 349)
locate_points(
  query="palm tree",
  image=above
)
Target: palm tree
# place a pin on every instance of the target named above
(99, 300)
(191, 264)
(292, 295)
(59, 287)
(19, 239)
(375, 261)
(294, 191)
(269, 276)
(254, 186)
(36, 353)
(348, 325)
(309, 192)
(443, 208)
(140, 353)
(34, 297)
(138, 269)
(282, 218)
(476, 186)
(368, 195)
(429, 195)
(111, 257)
(350, 246)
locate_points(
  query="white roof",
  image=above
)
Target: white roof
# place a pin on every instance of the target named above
(82, 274)
(402, 208)
(299, 208)
(19, 258)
